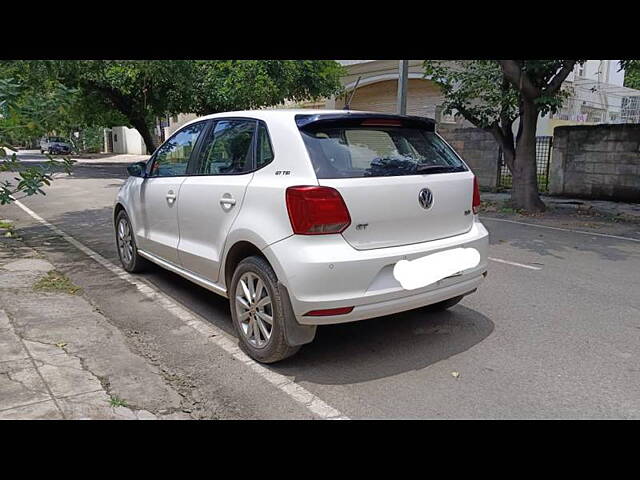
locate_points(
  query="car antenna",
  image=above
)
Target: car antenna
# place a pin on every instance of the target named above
(348, 104)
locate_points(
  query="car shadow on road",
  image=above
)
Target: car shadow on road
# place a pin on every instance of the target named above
(352, 352)
(386, 346)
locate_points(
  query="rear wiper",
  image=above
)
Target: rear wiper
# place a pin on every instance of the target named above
(435, 169)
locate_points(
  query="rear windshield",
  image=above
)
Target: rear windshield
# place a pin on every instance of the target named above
(354, 151)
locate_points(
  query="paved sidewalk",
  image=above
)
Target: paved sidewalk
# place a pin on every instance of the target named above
(628, 211)
(60, 358)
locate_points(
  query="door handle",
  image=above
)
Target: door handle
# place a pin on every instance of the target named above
(227, 201)
(171, 197)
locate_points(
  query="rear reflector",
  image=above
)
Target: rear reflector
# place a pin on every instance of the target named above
(328, 312)
(476, 196)
(316, 210)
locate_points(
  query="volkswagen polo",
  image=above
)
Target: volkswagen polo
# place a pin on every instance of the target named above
(299, 217)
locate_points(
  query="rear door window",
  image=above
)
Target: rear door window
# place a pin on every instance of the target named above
(372, 151)
(229, 148)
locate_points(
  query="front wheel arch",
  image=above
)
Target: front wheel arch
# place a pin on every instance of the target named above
(116, 210)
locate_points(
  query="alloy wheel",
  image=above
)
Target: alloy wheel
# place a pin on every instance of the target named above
(254, 309)
(125, 241)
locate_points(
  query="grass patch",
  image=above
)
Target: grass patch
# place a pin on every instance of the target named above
(8, 226)
(507, 209)
(55, 281)
(115, 401)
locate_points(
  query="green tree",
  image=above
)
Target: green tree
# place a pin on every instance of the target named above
(67, 109)
(226, 85)
(138, 92)
(24, 114)
(492, 94)
(631, 73)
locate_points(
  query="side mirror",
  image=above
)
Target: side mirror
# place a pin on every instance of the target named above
(137, 169)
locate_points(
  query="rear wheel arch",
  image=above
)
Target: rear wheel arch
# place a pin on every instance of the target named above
(238, 252)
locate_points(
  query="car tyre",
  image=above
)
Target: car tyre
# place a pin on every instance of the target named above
(126, 245)
(255, 300)
(445, 304)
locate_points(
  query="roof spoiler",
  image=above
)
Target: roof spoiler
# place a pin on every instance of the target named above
(360, 118)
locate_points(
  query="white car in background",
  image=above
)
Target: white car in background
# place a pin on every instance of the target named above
(299, 217)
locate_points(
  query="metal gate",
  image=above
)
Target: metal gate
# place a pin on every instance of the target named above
(544, 146)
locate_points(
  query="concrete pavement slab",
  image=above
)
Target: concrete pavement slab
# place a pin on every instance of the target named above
(11, 346)
(66, 376)
(20, 384)
(4, 321)
(44, 351)
(57, 348)
(28, 265)
(97, 406)
(36, 411)
(18, 279)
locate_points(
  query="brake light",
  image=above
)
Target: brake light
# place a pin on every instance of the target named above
(329, 312)
(382, 122)
(316, 210)
(476, 196)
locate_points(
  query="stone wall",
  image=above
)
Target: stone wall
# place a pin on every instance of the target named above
(478, 149)
(596, 161)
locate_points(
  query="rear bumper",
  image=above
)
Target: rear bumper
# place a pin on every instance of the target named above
(324, 272)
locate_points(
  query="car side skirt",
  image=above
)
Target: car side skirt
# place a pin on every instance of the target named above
(197, 279)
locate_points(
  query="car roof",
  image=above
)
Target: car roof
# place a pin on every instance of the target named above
(283, 114)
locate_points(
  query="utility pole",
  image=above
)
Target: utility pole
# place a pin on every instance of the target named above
(402, 86)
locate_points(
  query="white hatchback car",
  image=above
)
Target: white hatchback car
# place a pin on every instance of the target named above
(299, 217)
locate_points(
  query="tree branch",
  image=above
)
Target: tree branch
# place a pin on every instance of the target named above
(469, 116)
(118, 100)
(512, 72)
(554, 85)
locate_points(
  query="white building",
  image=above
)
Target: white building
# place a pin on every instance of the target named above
(597, 95)
(124, 140)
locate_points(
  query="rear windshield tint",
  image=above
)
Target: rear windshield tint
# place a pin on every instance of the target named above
(347, 151)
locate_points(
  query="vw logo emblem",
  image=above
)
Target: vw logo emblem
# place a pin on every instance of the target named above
(425, 198)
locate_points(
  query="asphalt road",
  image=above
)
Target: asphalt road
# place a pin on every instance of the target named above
(557, 340)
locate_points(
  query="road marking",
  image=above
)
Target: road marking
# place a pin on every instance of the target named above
(215, 335)
(515, 264)
(563, 229)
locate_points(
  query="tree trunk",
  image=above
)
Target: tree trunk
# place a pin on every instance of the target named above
(524, 193)
(143, 129)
